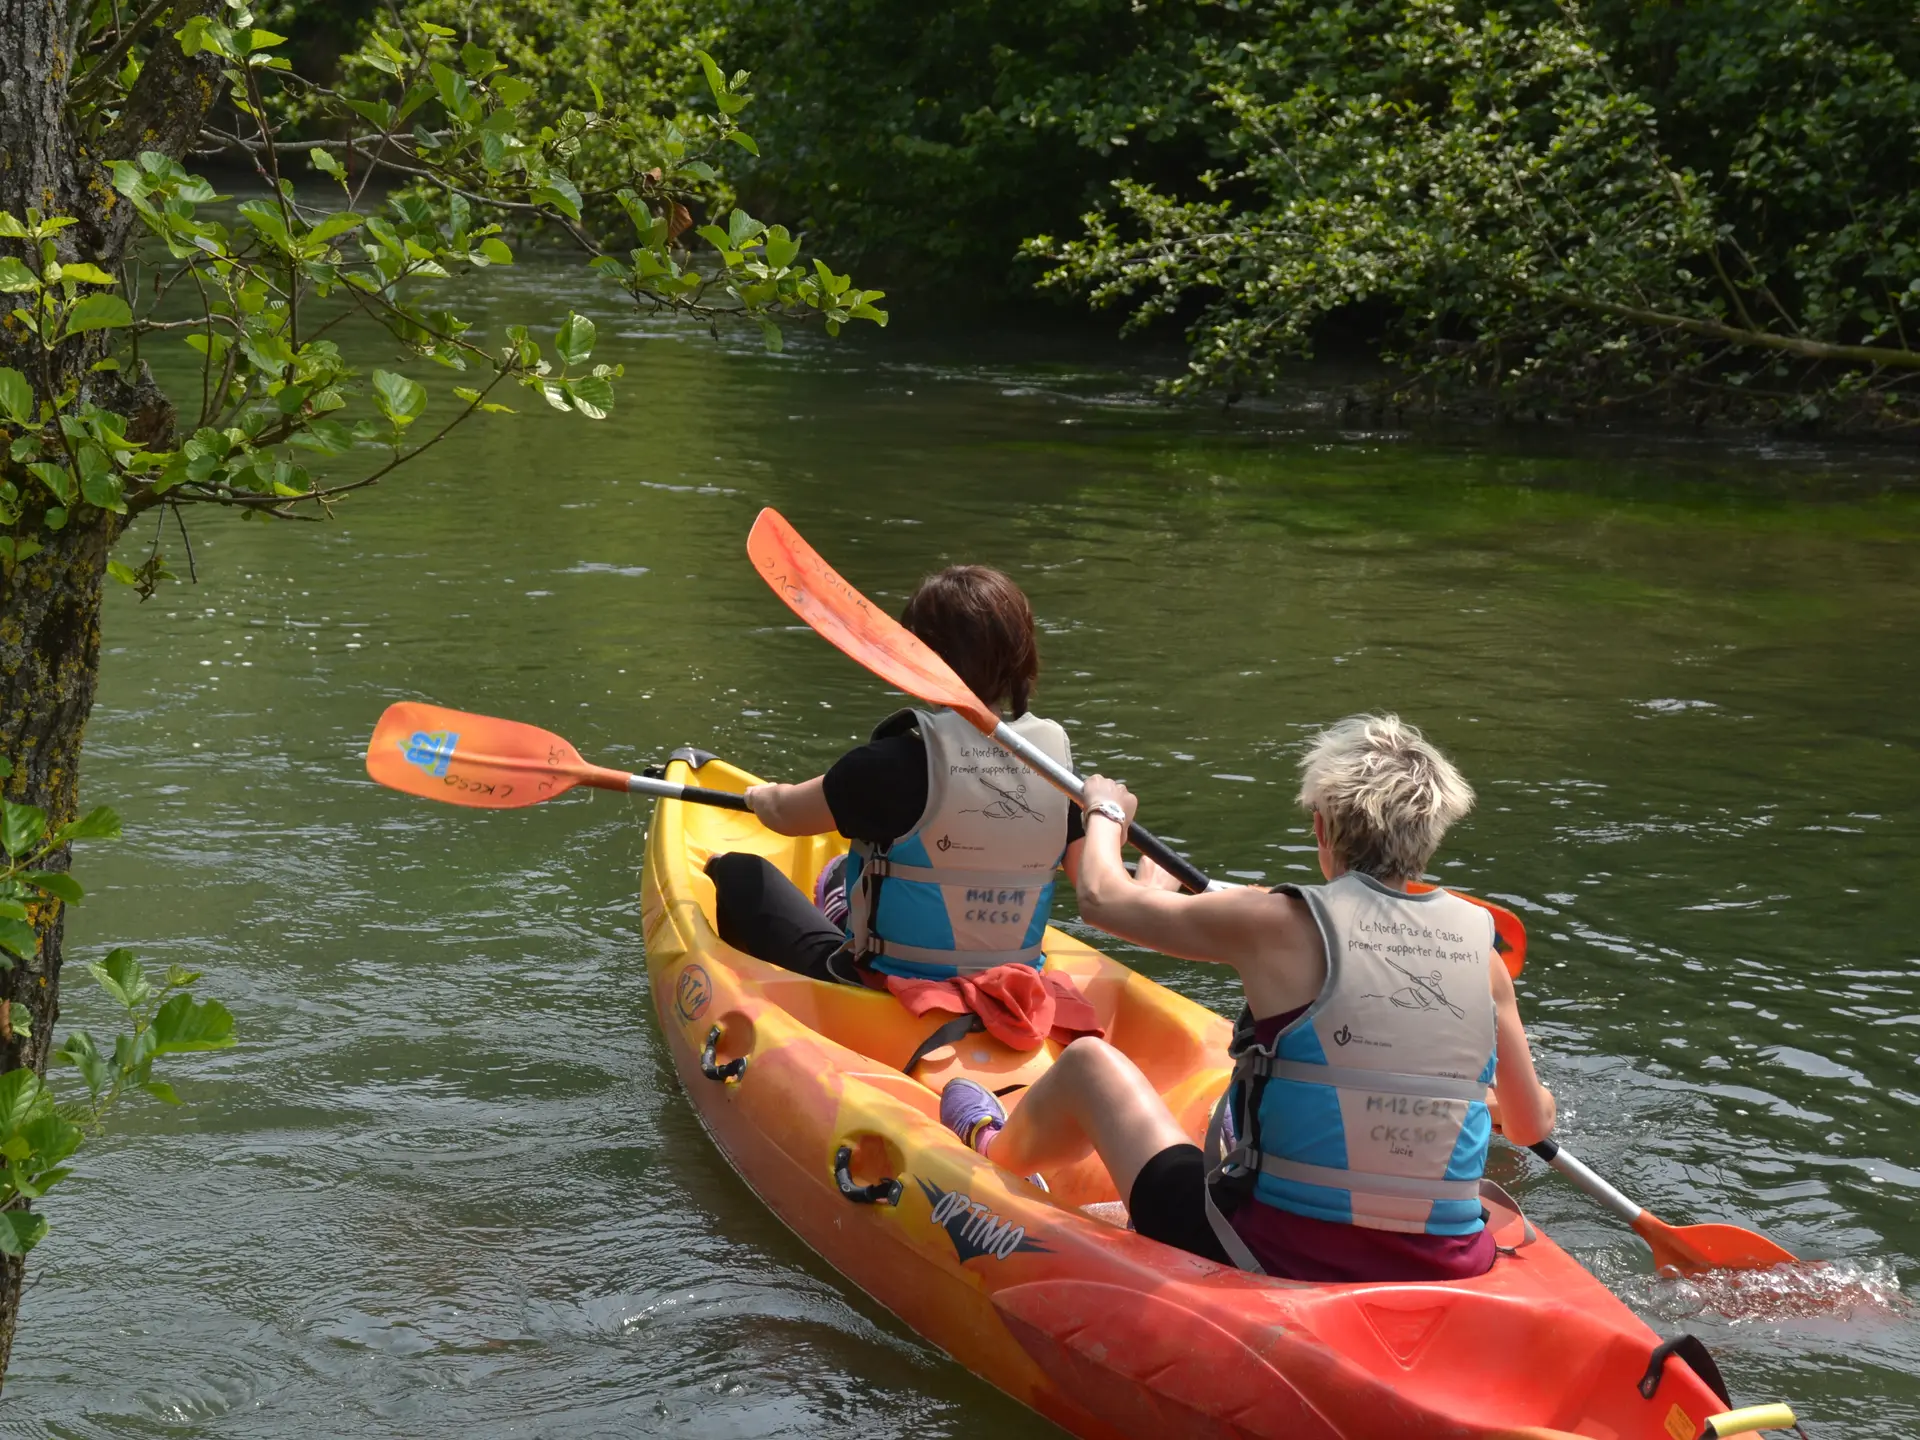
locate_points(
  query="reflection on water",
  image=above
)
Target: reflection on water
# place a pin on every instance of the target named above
(448, 1182)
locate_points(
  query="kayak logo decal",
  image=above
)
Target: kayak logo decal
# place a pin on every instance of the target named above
(692, 993)
(430, 752)
(974, 1228)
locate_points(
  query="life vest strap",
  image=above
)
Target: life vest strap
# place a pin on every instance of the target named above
(1386, 1082)
(1358, 1182)
(962, 962)
(983, 879)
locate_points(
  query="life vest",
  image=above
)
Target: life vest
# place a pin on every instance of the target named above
(1370, 1109)
(971, 885)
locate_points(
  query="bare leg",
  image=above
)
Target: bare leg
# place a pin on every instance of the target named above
(1093, 1098)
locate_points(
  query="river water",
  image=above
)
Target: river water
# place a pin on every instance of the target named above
(448, 1184)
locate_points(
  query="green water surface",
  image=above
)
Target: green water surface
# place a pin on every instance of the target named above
(448, 1183)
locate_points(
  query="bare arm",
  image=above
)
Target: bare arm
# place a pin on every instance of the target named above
(793, 809)
(1070, 862)
(1526, 1107)
(1223, 926)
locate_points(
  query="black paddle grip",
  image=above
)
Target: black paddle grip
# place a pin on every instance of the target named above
(724, 799)
(1190, 876)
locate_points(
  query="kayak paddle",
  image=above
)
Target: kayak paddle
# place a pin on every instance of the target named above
(498, 764)
(1689, 1249)
(849, 621)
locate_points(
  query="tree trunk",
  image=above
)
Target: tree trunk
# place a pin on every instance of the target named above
(49, 667)
(53, 162)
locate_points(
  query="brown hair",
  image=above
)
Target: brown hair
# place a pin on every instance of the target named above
(980, 623)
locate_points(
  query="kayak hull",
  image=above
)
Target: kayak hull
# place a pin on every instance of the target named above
(1104, 1332)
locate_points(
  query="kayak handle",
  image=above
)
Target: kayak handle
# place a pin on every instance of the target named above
(727, 1074)
(880, 1192)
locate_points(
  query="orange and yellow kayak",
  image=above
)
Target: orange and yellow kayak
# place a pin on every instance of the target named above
(1046, 1294)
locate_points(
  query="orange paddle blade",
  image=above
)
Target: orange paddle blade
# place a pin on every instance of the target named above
(1509, 935)
(1695, 1249)
(476, 760)
(815, 592)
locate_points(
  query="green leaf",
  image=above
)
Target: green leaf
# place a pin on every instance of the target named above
(592, 396)
(11, 228)
(268, 222)
(55, 882)
(98, 312)
(744, 141)
(18, 937)
(56, 478)
(184, 1023)
(52, 1139)
(512, 90)
(22, 827)
(16, 278)
(161, 1091)
(496, 251)
(123, 573)
(770, 333)
(80, 1051)
(103, 488)
(716, 81)
(575, 340)
(100, 823)
(20, 1095)
(16, 396)
(559, 192)
(400, 399)
(122, 976)
(326, 164)
(20, 1231)
(334, 225)
(264, 40)
(87, 274)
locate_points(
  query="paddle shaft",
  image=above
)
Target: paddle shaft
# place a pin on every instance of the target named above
(599, 777)
(1581, 1176)
(1058, 775)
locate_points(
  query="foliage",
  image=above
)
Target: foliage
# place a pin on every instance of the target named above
(933, 138)
(637, 63)
(271, 283)
(38, 1137)
(430, 160)
(1518, 210)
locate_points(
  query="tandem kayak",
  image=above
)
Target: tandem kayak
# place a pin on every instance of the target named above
(1046, 1294)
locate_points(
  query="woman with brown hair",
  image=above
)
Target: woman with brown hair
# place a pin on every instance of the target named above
(955, 842)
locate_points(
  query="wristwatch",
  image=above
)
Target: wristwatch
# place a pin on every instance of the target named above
(1109, 809)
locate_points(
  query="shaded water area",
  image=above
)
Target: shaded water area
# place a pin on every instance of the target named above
(448, 1182)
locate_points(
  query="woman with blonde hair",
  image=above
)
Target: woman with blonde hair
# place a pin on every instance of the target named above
(1352, 1139)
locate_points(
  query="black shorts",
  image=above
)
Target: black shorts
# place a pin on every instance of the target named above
(1169, 1203)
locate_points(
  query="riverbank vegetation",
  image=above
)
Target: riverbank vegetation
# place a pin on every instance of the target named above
(113, 244)
(1710, 209)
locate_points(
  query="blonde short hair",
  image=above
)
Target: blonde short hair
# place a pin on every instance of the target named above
(1386, 794)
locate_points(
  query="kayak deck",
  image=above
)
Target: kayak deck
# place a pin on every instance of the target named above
(1101, 1330)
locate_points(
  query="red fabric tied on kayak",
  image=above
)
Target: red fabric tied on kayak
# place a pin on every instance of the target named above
(1019, 1005)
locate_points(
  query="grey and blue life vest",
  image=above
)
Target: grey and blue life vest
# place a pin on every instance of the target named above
(970, 886)
(1370, 1109)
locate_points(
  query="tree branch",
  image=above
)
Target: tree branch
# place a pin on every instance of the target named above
(108, 64)
(162, 112)
(1873, 355)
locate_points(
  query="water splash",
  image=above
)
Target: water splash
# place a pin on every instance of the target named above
(1818, 1289)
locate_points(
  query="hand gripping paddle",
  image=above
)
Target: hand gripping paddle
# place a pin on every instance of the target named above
(498, 764)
